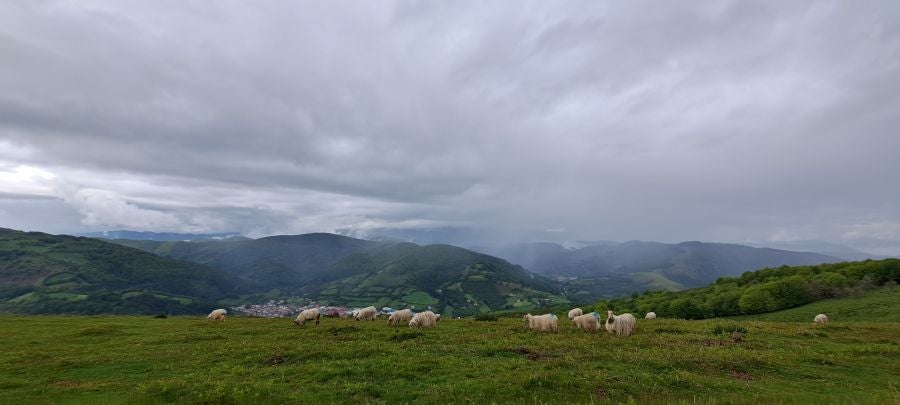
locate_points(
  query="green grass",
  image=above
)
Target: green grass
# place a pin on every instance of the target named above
(127, 359)
(882, 305)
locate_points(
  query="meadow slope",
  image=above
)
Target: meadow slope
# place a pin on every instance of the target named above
(127, 359)
(882, 305)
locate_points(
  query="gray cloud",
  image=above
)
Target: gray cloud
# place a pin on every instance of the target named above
(732, 121)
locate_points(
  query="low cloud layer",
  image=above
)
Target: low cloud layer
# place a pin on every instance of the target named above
(729, 121)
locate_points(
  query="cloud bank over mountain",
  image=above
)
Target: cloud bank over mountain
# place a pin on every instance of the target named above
(729, 121)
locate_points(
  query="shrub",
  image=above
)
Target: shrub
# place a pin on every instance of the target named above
(486, 317)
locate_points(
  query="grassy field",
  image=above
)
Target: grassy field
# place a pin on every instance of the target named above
(121, 359)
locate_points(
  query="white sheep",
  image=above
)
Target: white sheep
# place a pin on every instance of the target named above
(588, 322)
(821, 318)
(425, 319)
(575, 312)
(621, 325)
(400, 316)
(650, 315)
(217, 315)
(308, 315)
(542, 323)
(366, 314)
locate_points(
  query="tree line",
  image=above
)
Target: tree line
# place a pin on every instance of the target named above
(761, 291)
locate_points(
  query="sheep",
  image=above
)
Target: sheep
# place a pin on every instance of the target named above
(575, 312)
(425, 319)
(588, 322)
(366, 314)
(400, 316)
(621, 325)
(308, 315)
(650, 315)
(542, 323)
(217, 315)
(821, 318)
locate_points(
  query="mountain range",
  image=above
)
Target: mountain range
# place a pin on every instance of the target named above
(46, 273)
(652, 265)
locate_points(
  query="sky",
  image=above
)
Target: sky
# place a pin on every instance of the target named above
(730, 121)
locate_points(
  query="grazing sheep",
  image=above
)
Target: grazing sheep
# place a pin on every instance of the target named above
(400, 316)
(217, 315)
(575, 312)
(425, 319)
(308, 315)
(821, 318)
(542, 323)
(621, 325)
(366, 314)
(650, 315)
(588, 322)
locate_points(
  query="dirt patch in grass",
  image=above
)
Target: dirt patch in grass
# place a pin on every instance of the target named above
(530, 354)
(276, 358)
(714, 342)
(741, 375)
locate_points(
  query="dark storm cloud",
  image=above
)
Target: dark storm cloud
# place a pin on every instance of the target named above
(733, 121)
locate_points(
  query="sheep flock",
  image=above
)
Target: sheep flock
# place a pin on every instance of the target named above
(622, 325)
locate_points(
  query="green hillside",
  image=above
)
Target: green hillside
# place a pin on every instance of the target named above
(41, 273)
(764, 291)
(287, 262)
(129, 359)
(450, 279)
(881, 305)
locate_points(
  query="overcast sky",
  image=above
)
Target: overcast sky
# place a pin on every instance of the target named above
(718, 121)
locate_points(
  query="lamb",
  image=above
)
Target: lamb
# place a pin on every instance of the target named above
(588, 322)
(621, 325)
(366, 314)
(542, 323)
(425, 319)
(575, 312)
(650, 315)
(821, 318)
(308, 315)
(217, 315)
(400, 316)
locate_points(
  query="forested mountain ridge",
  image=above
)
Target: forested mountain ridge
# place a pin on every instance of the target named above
(42, 273)
(447, 278)
(285, 262)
